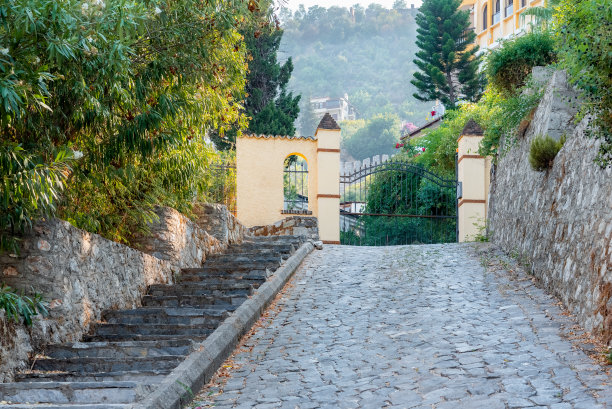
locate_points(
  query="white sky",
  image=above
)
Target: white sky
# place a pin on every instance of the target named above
(293, 4)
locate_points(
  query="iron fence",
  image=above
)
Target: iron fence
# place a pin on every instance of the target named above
(222, 185)
(397, 202)
(295, 186)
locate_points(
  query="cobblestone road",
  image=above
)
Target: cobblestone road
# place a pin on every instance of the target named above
(412, 327)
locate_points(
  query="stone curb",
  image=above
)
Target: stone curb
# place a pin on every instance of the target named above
(178, 388)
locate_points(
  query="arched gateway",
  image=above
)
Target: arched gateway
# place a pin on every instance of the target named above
(263, 181)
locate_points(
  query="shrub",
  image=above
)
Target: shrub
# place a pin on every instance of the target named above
(509, 66)
(543, 151)
(21, 307)
(583, 35)
(506, 114)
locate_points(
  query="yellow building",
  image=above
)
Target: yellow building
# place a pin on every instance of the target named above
(494, 20)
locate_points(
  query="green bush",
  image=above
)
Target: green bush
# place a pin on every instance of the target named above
(509, 66)
(19, 307)
(507, 111)
(584, 40)
(131, 88)
(543, 151)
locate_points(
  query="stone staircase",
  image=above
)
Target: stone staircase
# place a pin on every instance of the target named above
(131, 351)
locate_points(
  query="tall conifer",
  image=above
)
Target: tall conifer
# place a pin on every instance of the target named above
(448, 65)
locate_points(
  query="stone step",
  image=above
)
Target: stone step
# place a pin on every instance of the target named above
(245, 258)
(67, 406)
(229, 303)
(208, 318)
(120, 349)
(255, 251)
(168, 330)
(202, 273)
(273, 239)
(241, 265)
(73, 392)
(251, 248)
(122, 337)
(204, 277)
(89, 365)
(143, 377)
(219, 281)
(243, 290)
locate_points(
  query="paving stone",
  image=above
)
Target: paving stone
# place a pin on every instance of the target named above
(412, 327)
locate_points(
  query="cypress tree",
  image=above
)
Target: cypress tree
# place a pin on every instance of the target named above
(447, 61)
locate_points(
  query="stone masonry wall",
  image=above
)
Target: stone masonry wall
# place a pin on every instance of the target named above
(561, 219)
(290, 226)
(219, 222)
(177, 239)
(82, 274)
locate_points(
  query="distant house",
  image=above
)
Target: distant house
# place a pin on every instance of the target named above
(339, 108)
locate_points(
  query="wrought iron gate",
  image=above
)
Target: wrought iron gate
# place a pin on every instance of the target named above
(396, 203)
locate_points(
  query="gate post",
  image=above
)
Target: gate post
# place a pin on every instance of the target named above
(473, 175)
(328, 197)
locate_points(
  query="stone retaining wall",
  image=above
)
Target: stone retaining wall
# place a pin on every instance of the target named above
(82, 274)
(560, 220)
(290, 226)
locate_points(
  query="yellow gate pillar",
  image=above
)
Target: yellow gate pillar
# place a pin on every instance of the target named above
(260, 183)
(328, 162)
(473, 174)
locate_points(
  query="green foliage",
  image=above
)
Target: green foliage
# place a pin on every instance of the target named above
(118, 203)
(540, 16)
(448, 65)
(609, 356)
(482, 234)
(510, 65)
(506, 112)
(366, 54)
(20, 307)
(583, 31)
(273, 110)
(130, 85)
(440, 144)
(29, 189)
(542, 152)
(378, 136)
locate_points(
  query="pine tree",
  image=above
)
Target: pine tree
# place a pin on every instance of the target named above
(448, 65)
(272, 109)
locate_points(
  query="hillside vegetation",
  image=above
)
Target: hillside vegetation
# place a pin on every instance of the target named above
(366, 53)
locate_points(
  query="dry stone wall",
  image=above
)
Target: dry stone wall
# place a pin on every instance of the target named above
(559, 220)
(291, 226)
(83, 274)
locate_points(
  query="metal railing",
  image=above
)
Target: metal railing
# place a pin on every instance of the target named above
(295, 186)
(222, 185)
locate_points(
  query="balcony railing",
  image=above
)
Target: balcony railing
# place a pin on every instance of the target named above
(509, 10)
(496, 18)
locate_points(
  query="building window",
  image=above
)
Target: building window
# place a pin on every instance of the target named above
(509, 8)
(497, 11)
(523, 3)
(485, 18)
